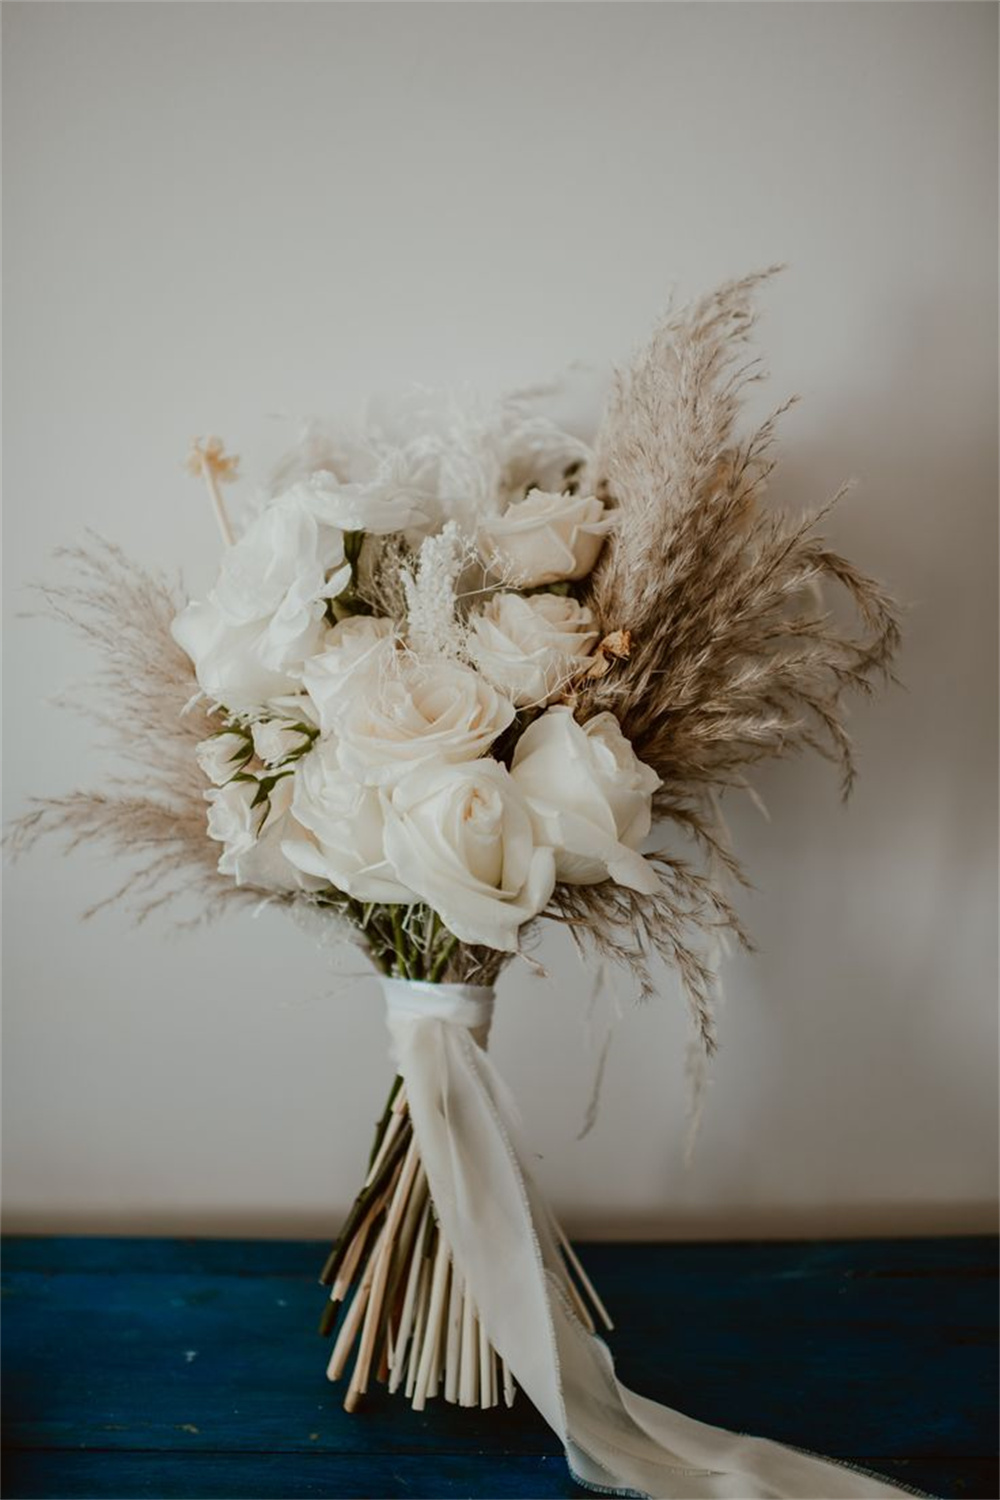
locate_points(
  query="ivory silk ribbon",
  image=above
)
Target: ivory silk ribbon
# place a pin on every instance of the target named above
(501, 1234)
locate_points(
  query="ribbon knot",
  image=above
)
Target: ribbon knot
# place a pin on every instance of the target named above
(468, 1006)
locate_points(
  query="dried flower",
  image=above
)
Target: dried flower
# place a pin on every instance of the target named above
(208, 456)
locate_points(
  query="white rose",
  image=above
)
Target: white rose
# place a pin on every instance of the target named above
(472, 456)
(265, 615)
(227, 658)
(540, 456)
(253, 836)
(222, 755)
(546, 537)
(346, 821)
(372, 487)
(461, 837)
(590, 798)
(531, 647)
(274, 740)
(390, 500)
(355, 654)
(438, 711)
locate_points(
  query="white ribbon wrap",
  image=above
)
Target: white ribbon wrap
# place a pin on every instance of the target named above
(500, 1232)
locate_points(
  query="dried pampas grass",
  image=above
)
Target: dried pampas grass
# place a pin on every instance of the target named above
(733, 657)
(145, 700)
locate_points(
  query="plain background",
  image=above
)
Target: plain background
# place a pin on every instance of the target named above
(221, 217)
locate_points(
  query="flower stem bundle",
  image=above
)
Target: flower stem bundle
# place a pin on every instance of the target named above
(398, 1305)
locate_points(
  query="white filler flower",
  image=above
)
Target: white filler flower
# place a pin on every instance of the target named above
(546, 538)
(590, 798)
(530, 647)
(461, 837)
(439, 711)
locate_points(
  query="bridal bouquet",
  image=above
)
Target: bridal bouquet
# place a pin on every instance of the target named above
(451, 674)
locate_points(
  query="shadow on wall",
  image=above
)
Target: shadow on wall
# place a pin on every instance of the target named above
(733, 1222)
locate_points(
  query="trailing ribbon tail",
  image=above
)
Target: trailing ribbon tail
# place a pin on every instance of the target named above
(500, 1232)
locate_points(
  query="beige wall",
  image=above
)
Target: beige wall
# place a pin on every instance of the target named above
(216, 213)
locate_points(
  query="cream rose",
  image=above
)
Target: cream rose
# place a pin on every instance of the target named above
(546, 537)
(438, 711)
(461, 837)
(590, 798)
(253, 836)
(346, 823)
(355, 654)
(530, 647)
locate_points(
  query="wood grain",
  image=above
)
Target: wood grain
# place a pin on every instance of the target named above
(190, 1368)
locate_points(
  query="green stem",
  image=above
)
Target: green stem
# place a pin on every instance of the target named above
(399, 940)
(431, 937)
(333, 1259)
(383, 1124)
(366, 1196)
(441, 962)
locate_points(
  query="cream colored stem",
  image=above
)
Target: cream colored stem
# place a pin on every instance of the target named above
(454, 1341)
(381, 1276)
(412, 1220)
(419, 1328)
(484, 1369)
(391, 1131)
(345, 1276)
(585, 1280)
(218, 504)
(468, 1386)
(440, 1335)
(433, 1327)
(352, 1321)
(406, 1319)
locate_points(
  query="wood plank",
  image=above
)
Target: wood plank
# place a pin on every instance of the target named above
(262, 1476)
(182, 1358)
(964, 1254)
(140, 1255)
(203, 1361)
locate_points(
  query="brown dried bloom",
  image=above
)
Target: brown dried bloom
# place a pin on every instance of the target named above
(208, 456)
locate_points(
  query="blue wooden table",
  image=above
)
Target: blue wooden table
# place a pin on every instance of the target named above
(167, 1368)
